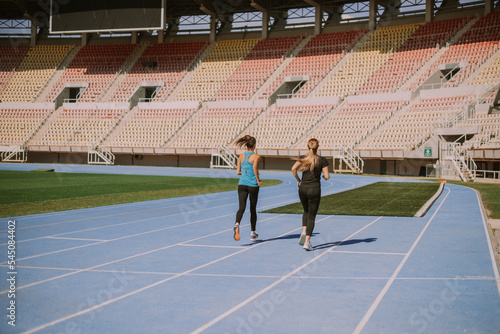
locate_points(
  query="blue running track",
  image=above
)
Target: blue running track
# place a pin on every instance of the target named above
(172, 266)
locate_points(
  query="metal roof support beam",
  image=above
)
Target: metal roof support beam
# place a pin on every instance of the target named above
(33, 32)
(163, 30)
(489, 7)
(213, 29)
(85, 38)
(372, 15)
(429, 10)
(206, 8)
(318, 15)
(391, 9)
(265, 17)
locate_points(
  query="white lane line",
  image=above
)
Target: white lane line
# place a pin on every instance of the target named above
(90, 309)
(196, 210)
(374, 253)
(82, 239)
(131, 257)
(212, 246)
(382, 293)
(135, 272)
(116, 239)
(210, 196)
(488, 240)
(269, 287)
(124, 237)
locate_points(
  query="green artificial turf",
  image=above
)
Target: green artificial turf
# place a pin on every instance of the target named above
(23, 193)
(402, 199)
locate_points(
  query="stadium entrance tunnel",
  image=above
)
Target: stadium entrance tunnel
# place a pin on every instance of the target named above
(71, 93)
(289, 88)
(146, 92)
(443, 74)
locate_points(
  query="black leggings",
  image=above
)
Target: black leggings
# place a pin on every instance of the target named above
(243, 192)
(310, 198)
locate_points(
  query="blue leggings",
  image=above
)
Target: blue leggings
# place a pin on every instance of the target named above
(310, 198)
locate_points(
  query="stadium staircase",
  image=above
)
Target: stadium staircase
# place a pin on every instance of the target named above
(306, 135)
(118, 127)
(121, 75)
(171, 142)
(100, 155)
(15, 153)
(19, 152)
(484, 67)
(280, 68)
(432, 61)
(461, 160)
(45, 126)
(340, 65)
(54, 79)
(222, 157)
(349, 161)
(190, 72)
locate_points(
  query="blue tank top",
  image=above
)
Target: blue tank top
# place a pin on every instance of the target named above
(247, 174)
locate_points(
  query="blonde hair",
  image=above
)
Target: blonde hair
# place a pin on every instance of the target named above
(311, 159)
(247, 141)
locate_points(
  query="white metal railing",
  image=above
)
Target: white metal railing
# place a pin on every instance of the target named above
(352, 159)
(100, 156)
(488, 95)
(462, 161)
(15, 153)
(222, 157)
(488, 174)
(466, 113)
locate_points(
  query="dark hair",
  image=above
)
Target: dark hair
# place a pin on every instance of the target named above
(247, 141)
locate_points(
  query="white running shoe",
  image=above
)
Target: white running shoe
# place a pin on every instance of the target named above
(253, 236)
(308, 246)
(302, 239)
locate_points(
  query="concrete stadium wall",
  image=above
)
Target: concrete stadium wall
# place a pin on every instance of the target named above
(407, 167)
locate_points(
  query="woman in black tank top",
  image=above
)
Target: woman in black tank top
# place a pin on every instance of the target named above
(311, 166)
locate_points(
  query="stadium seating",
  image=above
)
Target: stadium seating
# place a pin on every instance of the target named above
(17, 125)
(489, 135)
(96, 65)
(166, 62)
(238, 76)
(80, 127)
(407, 130)
(150, 127)
(489, 75)
(316, 59)
(216, 126)
(473, 49)
(10, 57)
(36, 68)
(416, 51)
(352, 122)
(368, 59)
(264, 58)
(216, 69)
(283, 126)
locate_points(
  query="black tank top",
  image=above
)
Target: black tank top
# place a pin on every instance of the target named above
(312, 178)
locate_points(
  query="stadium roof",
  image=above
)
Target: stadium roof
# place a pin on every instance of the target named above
(19, 9)
(15, 15)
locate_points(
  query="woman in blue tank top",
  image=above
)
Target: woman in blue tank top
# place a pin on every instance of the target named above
(248, 185)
